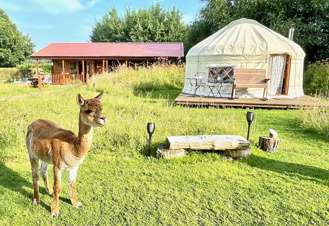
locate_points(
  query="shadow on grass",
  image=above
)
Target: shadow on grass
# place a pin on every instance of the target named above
(156, 91)
(11, 180)
(303, 172)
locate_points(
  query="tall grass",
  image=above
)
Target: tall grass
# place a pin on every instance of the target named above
(7, 73)
(316, 120)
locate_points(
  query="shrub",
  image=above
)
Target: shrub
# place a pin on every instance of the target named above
(26, 69)
(316, 79)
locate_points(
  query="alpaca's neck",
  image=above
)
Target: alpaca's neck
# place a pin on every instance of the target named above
(85, 138)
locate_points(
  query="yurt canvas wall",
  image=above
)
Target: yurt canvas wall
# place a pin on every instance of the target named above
(247, 44)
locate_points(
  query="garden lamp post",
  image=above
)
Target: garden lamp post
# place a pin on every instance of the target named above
(150, 130)
(250, 118)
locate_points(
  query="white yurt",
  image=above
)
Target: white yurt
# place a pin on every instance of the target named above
(245, 44)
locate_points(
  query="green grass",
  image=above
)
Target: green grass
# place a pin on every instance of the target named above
(119, 185)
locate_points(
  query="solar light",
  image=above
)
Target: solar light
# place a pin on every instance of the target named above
(250, 118)
(150, 130)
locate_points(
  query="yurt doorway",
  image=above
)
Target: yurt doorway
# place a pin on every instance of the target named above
(279, 74)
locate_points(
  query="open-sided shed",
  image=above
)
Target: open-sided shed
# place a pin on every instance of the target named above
(82, 60)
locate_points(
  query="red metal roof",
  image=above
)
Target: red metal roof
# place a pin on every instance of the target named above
(111, 50)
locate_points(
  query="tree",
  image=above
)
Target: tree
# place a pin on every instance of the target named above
(143, 25)
(309, 18)
(14, 46)
(110, 28)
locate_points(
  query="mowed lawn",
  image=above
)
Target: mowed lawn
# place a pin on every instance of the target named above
(119, 185)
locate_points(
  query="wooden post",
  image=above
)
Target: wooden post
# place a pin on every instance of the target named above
(126, 63)
(63, 66)
(83, 71)
(107, 66)
(38, 76)
(103, 66)
(87, 72)
(286, 75)
(63, 71)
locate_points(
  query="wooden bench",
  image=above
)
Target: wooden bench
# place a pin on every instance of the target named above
(250, 78)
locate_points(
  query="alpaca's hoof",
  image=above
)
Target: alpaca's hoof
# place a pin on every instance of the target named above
(35, 202)
(78, 205)
(55, 213)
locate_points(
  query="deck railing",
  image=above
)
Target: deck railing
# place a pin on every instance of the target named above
(62, 79)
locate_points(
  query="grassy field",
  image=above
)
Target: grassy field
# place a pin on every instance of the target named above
(119, 185)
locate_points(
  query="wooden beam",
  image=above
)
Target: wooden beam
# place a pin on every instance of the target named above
(103, 66)
(37, 67)
(286, 75)
(63, 66)
(107, 66)
(87, 72)
(83, 71)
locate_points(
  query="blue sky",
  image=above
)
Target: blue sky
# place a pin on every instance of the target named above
(47, 21)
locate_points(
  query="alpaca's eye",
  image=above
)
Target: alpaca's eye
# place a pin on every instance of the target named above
(88, 111)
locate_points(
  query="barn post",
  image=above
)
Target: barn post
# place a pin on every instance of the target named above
(37, 72)
(103, 66)
(107, 66)
(63, 70)
(83, 71)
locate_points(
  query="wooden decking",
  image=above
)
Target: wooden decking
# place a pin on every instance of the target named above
(284, 103)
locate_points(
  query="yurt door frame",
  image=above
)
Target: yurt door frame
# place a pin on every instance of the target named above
(279, 65)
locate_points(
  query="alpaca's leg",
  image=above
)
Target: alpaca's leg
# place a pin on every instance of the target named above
(72, 187)
(35, 178)
(44, 175)
(57, 190)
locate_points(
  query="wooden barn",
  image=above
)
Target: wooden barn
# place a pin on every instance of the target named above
(82, 60)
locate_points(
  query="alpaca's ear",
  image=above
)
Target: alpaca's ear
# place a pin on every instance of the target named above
(99, 96)
(80, 100)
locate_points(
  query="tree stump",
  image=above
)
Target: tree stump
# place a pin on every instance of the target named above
(268, 144)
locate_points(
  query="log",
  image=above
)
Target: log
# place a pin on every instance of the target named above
(208, 142)
(268, 144)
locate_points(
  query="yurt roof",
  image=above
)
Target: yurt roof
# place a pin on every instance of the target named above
(248, 38)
